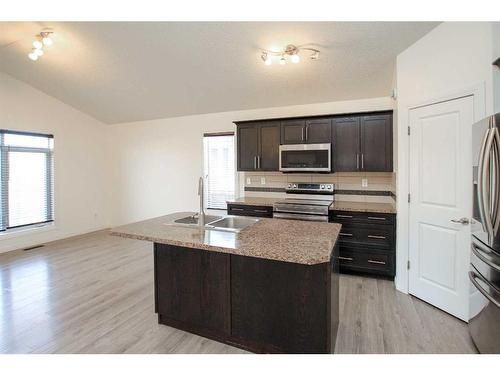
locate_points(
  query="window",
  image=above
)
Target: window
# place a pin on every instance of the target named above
(220, 174)
(26, 179)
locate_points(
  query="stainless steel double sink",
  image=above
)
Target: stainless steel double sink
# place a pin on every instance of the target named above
(223, 223)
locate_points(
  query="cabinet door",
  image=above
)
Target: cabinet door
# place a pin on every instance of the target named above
(318, 131)
(292, 132)
(346, 144)
(376, 143)
(269, 147)
(248, 147)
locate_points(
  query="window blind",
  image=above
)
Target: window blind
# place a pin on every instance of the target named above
(26, 179)
(219, 168)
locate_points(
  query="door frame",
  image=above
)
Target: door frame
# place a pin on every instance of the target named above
(478, 93)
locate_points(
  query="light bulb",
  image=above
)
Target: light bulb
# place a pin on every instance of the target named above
(295, 58)
(47, 41)
(282, 60)
(37, 44)
(33, 56)
(38, 52)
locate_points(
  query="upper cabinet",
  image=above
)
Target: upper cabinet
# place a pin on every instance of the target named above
(258, 146)
(306, 131)
(362, 143)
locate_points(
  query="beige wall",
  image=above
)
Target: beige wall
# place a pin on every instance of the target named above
(156, 164)
(80, 168)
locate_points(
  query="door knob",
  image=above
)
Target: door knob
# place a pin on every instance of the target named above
(463, 221)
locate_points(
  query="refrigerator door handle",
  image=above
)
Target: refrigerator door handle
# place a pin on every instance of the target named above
(473, 276)
(482, 254)
(495, 182)
(484, 183)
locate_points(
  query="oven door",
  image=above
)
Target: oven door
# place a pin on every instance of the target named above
(305, 158)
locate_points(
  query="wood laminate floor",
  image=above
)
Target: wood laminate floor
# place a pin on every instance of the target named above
(94, 294)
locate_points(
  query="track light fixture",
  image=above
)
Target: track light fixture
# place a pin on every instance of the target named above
(290, 52)
(42, 39)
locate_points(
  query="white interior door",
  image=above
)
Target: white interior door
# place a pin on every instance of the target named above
(441, 191)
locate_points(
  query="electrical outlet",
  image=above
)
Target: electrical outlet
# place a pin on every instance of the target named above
(262, 180)
(364, 182)
(249, 182)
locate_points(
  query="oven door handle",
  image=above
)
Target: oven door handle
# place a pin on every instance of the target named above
(301, 217)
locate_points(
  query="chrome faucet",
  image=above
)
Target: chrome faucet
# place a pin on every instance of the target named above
(201, 215)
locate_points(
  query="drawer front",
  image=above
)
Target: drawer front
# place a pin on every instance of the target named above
(245, 210)
(366, 260)
(371, 235)
(345, 217)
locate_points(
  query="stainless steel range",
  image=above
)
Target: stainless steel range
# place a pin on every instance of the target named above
(305, 201)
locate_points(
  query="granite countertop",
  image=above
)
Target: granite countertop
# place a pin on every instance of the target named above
(254, 201)
(383, 208)
(294, 241)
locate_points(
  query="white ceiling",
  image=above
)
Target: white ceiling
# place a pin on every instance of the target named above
(130, 71)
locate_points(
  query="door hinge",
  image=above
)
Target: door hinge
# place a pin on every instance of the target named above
(409, 199)
(408, 130)
(408, 265)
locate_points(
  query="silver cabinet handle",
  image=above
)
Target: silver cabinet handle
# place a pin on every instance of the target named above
(376, 237)
(346, 258)
(357, 161)
(258, 162)
(346, 234)
(473, 276)
(462, 220)
(302, 134)
(376, 218)
(236, 209)
(255, 162)
(362, 161)
(264, 211)
(345, 216)
(307, 136)
(375, 261)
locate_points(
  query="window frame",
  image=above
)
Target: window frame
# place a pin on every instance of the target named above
(4, 178)
(235, 177)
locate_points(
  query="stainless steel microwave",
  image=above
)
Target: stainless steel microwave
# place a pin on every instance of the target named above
(306, 158)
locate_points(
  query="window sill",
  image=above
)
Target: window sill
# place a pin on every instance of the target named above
(34, 229)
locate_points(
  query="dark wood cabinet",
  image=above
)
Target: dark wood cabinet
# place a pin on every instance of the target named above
(362, 143)
(258, 146)
(247, 210)
(367, 242)
(376, 143)
(345, 143)
(306, 131)
(293, 132)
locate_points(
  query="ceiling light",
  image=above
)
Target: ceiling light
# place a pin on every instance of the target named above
(47, 41)
(289, 51)
(38, 52)
(33, 56)
(266, 58)
(37, 44)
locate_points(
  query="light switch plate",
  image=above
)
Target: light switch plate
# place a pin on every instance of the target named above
(364, 182)
(262, 180)
(249, 182)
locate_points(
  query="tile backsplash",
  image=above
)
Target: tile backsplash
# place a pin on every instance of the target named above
(349, 186)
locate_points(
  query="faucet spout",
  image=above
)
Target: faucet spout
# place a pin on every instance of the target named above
(201, 216)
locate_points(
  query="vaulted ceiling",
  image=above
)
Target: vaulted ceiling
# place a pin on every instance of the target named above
(131, 71)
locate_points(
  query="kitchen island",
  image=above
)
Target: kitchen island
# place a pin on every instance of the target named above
(270, 288)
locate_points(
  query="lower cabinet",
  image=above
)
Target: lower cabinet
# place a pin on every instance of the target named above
(367, 242)
(246, 210)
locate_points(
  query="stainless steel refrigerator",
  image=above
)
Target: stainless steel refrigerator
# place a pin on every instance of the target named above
(484, 274)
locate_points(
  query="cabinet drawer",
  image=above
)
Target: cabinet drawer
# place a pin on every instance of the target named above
(346, 217)
(245, 210)
(372, 235)
(366, 260)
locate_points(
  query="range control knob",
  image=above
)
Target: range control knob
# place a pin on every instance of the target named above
(289, 186)
(294, 186)
(329, 187)
(321, 186)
